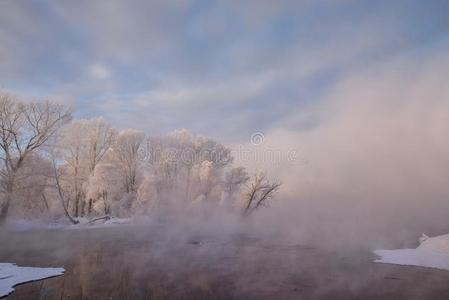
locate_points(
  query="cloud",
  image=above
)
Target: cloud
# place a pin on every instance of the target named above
(98, 71)
(223, 68)
(124, 31)
(19, 28)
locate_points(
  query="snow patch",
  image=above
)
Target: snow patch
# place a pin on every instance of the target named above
(432, 253)
(20, 225)
(12, 275)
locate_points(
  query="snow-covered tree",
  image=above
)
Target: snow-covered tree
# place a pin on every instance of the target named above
(104, 189)
(125, 152)
(183, 169)
(82, 146)
(100, 137)
(91, 170)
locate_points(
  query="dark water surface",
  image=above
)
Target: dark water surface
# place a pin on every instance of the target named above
(130, 262)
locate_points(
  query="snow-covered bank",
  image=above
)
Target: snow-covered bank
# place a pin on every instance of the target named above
(12, 275)
(20, 225)
(432, 253)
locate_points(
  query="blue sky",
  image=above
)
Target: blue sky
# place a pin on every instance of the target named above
(221, 68)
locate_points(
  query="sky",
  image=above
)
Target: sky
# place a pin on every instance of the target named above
(225, 69)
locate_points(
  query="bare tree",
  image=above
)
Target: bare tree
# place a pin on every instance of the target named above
(31, 180)
(259, 191)
(24, 128)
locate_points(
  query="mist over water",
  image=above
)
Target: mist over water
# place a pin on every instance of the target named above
(375, 168)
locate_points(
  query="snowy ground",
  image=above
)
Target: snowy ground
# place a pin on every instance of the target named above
(12, 275)
(20, 225)
(432, 253)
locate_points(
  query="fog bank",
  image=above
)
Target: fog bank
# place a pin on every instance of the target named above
(375, 164)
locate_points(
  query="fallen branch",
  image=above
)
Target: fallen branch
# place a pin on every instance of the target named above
(98, 219)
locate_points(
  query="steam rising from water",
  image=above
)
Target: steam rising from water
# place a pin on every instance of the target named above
(376, 165)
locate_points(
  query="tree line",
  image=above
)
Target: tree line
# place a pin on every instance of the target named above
(54, 165)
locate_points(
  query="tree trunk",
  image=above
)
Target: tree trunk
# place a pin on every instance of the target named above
(5, 207)
(83, 207)
(61, 197)
(76, 207)
(45, 202)
(106, 204)
(89, 211)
